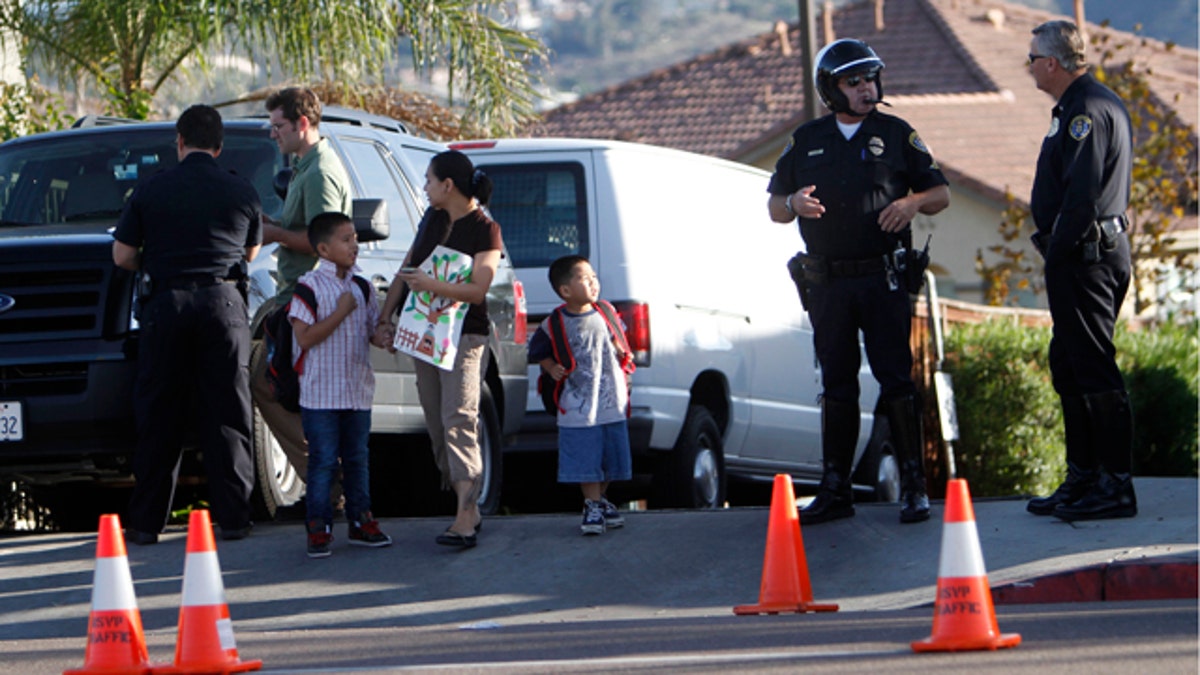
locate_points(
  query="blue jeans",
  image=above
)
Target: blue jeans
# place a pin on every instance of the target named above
(332, 434)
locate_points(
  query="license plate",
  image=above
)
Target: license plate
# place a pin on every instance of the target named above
(12, 424)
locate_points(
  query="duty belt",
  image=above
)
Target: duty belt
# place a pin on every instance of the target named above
(856, 268)
(190, 282)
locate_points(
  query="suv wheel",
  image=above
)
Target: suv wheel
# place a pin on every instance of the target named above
(491, 453)
(278, 484)
(693, 475)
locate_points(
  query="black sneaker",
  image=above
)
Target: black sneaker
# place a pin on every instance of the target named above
(318, 543)
(367, 533)
(593, 518)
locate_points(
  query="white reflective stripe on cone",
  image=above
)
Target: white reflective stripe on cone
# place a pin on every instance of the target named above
(961, 556)
(112, 585)
(202, 580)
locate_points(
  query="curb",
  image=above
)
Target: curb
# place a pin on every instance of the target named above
(1170, 577)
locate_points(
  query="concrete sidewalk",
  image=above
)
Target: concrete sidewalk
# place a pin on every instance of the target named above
(662, 564)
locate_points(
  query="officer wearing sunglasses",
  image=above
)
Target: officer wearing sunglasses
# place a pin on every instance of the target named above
(854, 179)
(1079, 199)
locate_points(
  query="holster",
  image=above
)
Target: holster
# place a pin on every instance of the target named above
(240, 272)
(807, 271)
(1041, 242)
(1089, 247)
(915, 265)
(144, 286)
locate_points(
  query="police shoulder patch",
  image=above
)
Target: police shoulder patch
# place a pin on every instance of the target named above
(1080, 127)
(915, 141)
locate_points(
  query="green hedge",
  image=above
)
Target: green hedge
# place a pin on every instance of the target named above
(1010, 421)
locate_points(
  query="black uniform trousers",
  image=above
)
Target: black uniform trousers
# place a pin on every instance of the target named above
(194, 347)
(1084, 301)
(841, 307)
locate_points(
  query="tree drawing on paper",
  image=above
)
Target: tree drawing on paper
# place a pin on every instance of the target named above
(436, 310)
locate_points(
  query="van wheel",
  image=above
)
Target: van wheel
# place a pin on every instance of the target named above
(693, 475)
(277, 483)
(491, 451)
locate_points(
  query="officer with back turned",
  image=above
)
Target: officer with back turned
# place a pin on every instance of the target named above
(191, 230)
(1080, 194)
(855, 179)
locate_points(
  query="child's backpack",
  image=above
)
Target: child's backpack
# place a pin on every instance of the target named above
(547, 386)
(283, 371)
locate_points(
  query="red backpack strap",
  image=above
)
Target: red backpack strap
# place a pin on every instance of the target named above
(561, 347)
(558, 339)
(609, 313)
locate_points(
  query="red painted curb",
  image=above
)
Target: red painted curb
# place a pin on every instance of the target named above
(1166, 578)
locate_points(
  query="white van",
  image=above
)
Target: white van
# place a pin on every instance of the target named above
(727, 379)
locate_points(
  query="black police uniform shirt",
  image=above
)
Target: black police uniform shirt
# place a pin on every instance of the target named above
(193, 219)
(1084, 169)
(855, 180)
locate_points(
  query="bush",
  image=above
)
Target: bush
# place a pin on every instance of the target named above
(1010, 419)
(1160, 367)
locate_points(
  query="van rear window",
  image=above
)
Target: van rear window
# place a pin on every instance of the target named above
(542, 210)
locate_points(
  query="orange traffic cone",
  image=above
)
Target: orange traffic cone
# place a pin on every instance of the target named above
(116, 644)
(205, 642)
(785, 585)
(964, 618)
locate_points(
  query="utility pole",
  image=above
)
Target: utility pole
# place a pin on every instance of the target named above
(808, 53)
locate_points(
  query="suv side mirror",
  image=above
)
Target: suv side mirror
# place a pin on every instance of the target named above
(281, 181)
(371, 219)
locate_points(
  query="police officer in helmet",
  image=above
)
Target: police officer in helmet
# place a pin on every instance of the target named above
(854, 179)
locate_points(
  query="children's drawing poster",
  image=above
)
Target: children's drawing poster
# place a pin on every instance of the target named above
(430, 326)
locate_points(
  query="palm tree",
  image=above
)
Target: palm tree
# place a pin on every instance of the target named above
(130, 48)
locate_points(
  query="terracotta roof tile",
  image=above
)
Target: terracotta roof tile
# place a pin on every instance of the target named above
(958, 76)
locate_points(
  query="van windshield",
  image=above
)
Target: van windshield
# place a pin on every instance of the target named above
(75, 178)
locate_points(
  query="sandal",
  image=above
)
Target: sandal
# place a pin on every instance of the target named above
(452, 538)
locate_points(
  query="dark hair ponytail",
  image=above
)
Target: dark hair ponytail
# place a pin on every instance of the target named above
(481, 184)
(458, 168)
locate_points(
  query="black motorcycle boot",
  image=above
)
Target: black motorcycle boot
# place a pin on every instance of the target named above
(904, 418)
(1081, 464)
(839, 435)
(1112, 495)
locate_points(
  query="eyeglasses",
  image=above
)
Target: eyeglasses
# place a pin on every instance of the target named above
(278, 126)
(855, 80)
(1034, 57)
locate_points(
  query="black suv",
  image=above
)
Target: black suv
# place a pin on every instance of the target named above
(68, 338)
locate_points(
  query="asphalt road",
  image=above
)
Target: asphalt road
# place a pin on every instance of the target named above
(656, 595)
(1095, 638)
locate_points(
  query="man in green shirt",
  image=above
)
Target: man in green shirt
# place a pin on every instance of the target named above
(319, 184)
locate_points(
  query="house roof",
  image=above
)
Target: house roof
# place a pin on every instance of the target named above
(955, 70)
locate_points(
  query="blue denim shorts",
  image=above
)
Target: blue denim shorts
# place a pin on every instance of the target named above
(594, 454)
